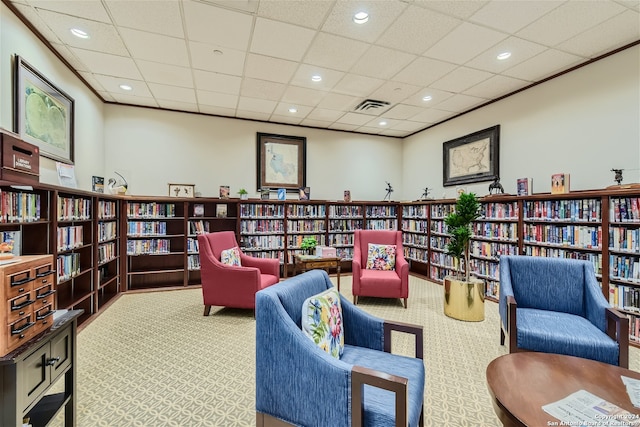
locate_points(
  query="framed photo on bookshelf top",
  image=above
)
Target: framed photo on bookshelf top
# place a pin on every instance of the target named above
(471, 158)
(281, 161)
(182, 190)
(43, 113)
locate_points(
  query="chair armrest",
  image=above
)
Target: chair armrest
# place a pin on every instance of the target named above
(512, 328)
(265, 265)
(408, 328)
(618, 330)
(361, 328)
(398, 385)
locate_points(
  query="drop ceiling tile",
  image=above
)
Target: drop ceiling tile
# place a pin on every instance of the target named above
(106, 96)
(544, 65)
(321, 124)
(303, 76)
(381, 15)
(92, 81)
(267, 68)
(306, 13)
(253, 115)
(302, 96)
(431, 115)
(70, 57)
(231, 61)
(217, 111)
(216, 99)
(323, 114)
(110, 65)
(178, 106)
(375, 123)
(291, 120)
(244, 5)
(393, 132)
(206, 23)
(254, 88)
(521, 50)
(460, 79)
(92, 10)
(103, 37)
(511, 16)
(173, 93)
(436, 95)
(134, 100)
(496, 86)
(32, 16)
(381, 62)
(631, 4)
(155, 47)
(282, 109)
(424, 71)
(216, 82)
(402, 111)
(410, 34)
(165, 74)
(336, 101)
(409, 126)
(280, 40)
(460, 8)
(569, 20)
(394, 92)
(354, 119)
(355, 85)
(256, 105)
(459, 103)
(112, 84)
(464, 43)
(163, 18)
(343, 126)
(338, 53)
(618, 31)
(370, 130)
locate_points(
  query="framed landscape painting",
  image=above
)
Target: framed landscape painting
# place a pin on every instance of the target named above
(471, 158)
(43, 113)
(281, 161)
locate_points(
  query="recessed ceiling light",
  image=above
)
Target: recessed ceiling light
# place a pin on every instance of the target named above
(79, 33)
(125, 87)
(427, 98)
(503, 56)
(316, 78)
(360, 17)
(293, 110)
(382, 123)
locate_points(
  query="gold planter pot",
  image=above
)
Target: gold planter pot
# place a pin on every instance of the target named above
(464, 300)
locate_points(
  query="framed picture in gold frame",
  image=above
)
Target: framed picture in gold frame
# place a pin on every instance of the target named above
(281, 161)
(182, 190)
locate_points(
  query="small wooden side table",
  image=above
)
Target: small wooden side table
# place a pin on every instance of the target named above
(309, 262)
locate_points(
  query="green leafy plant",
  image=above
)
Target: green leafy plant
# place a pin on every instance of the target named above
(242, 191)
(458, 225)
(308, 244)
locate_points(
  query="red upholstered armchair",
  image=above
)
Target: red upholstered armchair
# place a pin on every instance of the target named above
(379, 283)
(232, 286)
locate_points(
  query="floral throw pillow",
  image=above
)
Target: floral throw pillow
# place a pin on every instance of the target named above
(381, 257)
(322, 321)
(231, 256)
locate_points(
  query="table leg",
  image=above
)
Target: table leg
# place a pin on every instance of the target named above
(338, 274)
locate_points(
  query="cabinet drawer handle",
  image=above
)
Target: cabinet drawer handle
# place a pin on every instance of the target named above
(44, 316)
(22, 282)
(52, 361)
(46, 294)
(21, 330)
(46, 273)
(21, 306)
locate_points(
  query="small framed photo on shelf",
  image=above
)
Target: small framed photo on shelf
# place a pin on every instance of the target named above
(264, 194)
(224, 191)
(304, 193)
(182, 190)
(559, 183)
(347, 196)
(198, 209)
(97, 184)
(525, 186)
(221, 210)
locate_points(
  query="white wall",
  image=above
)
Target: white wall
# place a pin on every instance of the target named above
(16, 39)
(153, 148)
(583, 123)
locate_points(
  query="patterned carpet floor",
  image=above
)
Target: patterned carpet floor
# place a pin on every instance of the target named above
(153, 359)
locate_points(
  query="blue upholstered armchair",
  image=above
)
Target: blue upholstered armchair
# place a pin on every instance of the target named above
(298, 383)
(555, 305)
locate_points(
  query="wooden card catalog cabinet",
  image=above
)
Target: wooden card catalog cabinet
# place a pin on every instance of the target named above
(28, 299)
(19, 160)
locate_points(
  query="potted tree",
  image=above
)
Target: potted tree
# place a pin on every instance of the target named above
(463, 295)
(308, 245)
(243, 194)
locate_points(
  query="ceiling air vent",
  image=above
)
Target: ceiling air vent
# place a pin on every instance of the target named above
(371, 104)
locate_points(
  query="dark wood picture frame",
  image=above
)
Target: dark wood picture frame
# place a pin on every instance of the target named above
(282, 161)
(472, 158)
(43, 114)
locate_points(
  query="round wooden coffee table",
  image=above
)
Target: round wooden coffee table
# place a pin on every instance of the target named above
(521, 383)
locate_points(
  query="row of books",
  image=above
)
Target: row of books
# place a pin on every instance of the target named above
(69, 237)
(415, 226)
(442, 259)
(266, 253)
(571, 210)
(634, 327)
(256, 210)
(340, 239)
(193, 262)
(492, 249)
(414, 211)
(302, 225)
(580, 236)
(338, 211)
(67, 266)
(107, 231)
(416, 254)
(74, 208)
(624, 209)
(495, 230)
(345, 253)
(381, 211)
(499, 210)
(151, 210)
(344, 225)
(543, 251)
(623, 267)
(625, 297)
(314, 211)
(438, 227)
(415, 239)
(485, 268)
(107, 209)
(440, 272)
(146, 228)
(192, 245)
(148, 246)
(382, 224)
(19, 207)
(296, 241)
(624, 239)
(263, 242)
(107, 252)
(198, 227)
(441, 210)
(438, 241)
(492, 289)
(261, 226)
